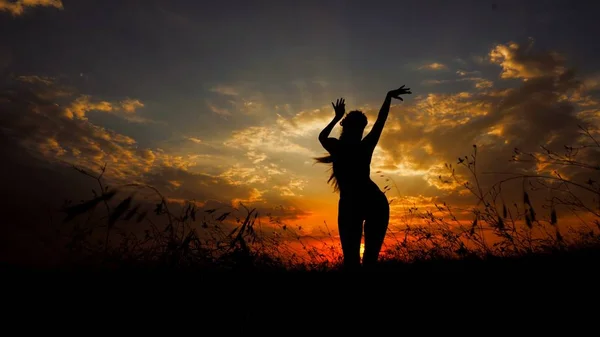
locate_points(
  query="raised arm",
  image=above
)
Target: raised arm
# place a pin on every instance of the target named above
(372, 138)
(340, 109)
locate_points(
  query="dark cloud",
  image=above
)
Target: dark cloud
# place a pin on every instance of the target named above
(60, 134)
(45, 132)
(542, 110)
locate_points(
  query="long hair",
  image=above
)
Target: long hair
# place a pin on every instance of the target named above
(354, 121)
(329, 160)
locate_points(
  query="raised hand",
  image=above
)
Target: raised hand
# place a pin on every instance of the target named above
(339, 107)
(400, 91)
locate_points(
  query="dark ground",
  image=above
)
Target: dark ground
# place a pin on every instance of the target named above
(553, 294)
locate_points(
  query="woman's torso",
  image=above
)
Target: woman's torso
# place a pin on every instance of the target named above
(352, 169)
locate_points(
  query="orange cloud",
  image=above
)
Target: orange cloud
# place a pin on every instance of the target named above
(480, 83)
(273, 159)
(238, 175)
(18, 7)
(253, 197)
(125, 109)
(44, 130)
(267, 176)
(131, 105)
(517, 63)
(256, 157)
(292, 188)
(195, 140)
(266, 140)
(433, 66)
(82, 105)
(483, 84)
(433, 129)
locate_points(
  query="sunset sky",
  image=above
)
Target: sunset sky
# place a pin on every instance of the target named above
(222, 101)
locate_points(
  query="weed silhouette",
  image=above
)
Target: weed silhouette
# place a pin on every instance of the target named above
(502, 235)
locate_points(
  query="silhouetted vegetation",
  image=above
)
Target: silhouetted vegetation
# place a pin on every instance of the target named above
(136, 226)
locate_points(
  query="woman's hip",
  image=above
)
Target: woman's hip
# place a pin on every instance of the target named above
(371, 199)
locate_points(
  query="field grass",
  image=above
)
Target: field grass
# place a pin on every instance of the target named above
(134, 227)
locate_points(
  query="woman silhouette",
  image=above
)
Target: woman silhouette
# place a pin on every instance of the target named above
(360, 198)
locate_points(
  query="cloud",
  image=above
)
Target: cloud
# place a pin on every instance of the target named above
(219, 111)
(256, 157)
(267, 176)
(433, 66)
(126, 109)
(60, 134)
(250, 106)
(517, 62)
(224, 191)
(239, 175)
(304, 123)
(267, 149)
(292, 188)
(480, 83)
(225, 90)
(254, 196)
(267, 140)
(82, 105)
(18, 7)
(592, 82)
(34, 79)
(194, 139)
(130, 105)
(467, 73)
(459, 60)
(478, 59)
(250, 98)
(269, 162)
(236, 98)
(440, 128)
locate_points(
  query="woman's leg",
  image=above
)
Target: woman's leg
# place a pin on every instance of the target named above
(350, 227)
(376, 225)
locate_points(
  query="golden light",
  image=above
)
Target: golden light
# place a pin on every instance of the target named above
(362, 249)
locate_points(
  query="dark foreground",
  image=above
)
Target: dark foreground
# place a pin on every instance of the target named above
(584, 260)
(535, 294)
(579, 263)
